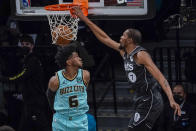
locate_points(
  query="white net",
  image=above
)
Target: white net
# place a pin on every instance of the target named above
(64, 26)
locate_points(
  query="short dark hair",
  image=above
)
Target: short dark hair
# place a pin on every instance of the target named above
(63, 53)
(135, 35)
(26, 38)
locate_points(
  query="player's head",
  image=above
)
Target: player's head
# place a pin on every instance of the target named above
(68, 56)
(26, 43)
(179, 90)
(130, 36)
(179, 93)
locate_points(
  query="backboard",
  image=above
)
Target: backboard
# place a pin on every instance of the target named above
(98, 9)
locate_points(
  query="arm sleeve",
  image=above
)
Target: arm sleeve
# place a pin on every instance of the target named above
(50, 95)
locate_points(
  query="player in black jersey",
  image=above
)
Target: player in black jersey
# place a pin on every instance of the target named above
(137, 63)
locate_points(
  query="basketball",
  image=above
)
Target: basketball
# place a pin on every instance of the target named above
(62, 34)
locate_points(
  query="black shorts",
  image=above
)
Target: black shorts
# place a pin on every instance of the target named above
(146, 112)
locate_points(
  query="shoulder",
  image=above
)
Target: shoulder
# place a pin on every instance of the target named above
(143, 57)
(86, 73)
(53, 83)
(86, 76)
(143, 53)
(190, 105)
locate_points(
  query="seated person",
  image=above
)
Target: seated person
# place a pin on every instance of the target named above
(185, 122)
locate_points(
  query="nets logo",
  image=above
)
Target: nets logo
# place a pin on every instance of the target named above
(136, 117)
(128, 67)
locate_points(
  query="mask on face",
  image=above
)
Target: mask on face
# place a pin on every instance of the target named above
(179, 99)
(25, 50)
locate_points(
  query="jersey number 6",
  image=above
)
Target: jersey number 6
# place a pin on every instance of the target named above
(73, 101)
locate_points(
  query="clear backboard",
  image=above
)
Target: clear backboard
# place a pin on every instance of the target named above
(98, 9)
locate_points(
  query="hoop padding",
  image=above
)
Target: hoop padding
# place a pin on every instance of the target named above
(63, 26)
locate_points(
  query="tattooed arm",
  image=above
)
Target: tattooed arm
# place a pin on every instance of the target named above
(165, 86)
(144, 58)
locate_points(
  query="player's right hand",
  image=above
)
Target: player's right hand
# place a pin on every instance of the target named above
(77, 11)
(176, 107)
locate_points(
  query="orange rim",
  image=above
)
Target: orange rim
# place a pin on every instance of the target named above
(63, 7)
(59, 7)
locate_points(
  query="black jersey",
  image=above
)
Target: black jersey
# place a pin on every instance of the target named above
(146, 101)
(138, 77)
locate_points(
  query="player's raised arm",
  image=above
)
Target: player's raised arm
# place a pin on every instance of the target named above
(99, 33)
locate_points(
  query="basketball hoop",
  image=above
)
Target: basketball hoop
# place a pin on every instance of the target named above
(63, 24)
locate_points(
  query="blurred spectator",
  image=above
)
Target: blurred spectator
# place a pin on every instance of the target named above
(8, 103)
(14, 32)
(36, 116)
(9, 35)
(186, 122)
(6, 128)
(4, 36)
(3, 112)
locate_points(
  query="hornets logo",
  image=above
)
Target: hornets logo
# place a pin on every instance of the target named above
(79, 80)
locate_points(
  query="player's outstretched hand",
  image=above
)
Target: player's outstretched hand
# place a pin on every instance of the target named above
(176, 107)
(78, 12)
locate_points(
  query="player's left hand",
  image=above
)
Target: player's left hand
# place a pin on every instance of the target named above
(176, 107)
